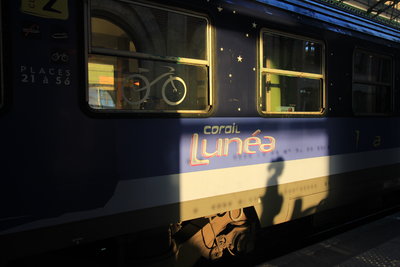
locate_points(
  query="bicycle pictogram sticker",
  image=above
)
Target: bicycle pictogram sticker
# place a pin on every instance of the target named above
(173, 90)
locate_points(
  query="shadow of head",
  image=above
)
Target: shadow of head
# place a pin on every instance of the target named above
(276, 167)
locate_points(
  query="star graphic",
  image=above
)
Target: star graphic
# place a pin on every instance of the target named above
(254, 25)
(220, 9)
(239, 58)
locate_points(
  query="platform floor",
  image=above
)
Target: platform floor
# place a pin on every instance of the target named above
(373, 244)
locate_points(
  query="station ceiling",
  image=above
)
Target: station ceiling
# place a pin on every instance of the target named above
(384, 11)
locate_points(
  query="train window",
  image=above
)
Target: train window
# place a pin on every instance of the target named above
(292, 78)
(372, 83)
(148, 59)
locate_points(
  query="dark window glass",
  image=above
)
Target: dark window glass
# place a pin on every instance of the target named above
(168, 33)
(372, 83)
(372, 68)
(287, 53)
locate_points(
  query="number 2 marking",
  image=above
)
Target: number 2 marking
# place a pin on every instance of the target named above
(49, 6)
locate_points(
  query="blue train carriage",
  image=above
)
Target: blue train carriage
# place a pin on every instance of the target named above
(181, 127)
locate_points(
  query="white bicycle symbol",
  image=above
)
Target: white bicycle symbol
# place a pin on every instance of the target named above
(59, 56)
(176, 93)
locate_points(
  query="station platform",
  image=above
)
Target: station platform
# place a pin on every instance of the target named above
(374, 244)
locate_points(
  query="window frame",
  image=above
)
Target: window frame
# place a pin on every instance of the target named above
(288, 73)
(392, 83)
(207, 63)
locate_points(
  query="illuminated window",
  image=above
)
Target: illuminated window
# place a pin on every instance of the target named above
(292, 79)
(372, 83)
(147, 59)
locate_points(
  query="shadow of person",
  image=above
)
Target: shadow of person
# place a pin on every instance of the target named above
(272, 200)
